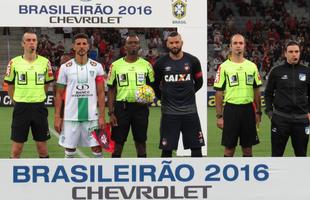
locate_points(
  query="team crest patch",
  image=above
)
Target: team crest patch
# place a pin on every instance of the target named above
(92, 73)
(186, 66)
(69, 64)
(179, 9)
(92, 63)
(302, 77)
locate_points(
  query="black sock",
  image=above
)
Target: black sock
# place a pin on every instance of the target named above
(141, 156)
(247, 155)
(196, 152)
(44, 156)
(115, 156)
(166, 153)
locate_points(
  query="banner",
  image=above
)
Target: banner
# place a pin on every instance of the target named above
(211, 99)
(212, 179)
(5, 99)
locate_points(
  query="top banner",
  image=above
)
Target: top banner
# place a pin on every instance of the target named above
(104, 13)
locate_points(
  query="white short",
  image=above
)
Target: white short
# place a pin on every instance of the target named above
(75, 134)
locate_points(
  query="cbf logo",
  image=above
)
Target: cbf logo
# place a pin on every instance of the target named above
(179, 8)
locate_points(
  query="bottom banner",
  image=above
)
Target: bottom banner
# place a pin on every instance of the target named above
(177, 178)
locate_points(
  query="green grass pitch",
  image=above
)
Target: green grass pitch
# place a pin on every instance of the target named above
(56, 151)
(263, 149)
(214, 148)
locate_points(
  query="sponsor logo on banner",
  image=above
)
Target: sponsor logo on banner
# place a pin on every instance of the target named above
(5, 99)
(77, 14)
(179, 8)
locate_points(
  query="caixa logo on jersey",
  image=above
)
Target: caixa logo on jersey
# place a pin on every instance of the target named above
(82, 87)
(177, 77)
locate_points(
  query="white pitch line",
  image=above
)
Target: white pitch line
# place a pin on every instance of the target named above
(79, 152)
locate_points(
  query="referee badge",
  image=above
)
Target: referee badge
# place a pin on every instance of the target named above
(140, 77)
(92, 73)
(307, 130)
(249, 79)
(233, 80)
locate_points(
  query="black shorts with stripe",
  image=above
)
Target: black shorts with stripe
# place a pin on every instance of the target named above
(239, 123)
(132, 115)
(172, 125)
(26, 116)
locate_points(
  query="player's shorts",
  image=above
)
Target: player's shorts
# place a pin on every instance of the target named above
(132, 115)
(172, 125)
(76, 134)
(239, 122)
(30, 115)
(282, 128)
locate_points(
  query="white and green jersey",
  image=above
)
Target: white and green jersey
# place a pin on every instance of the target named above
(81, 92)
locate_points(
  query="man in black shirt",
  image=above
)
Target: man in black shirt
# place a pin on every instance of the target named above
(287, 103)
(178, 77)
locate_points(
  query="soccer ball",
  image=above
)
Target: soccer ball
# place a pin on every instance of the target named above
(145, 94)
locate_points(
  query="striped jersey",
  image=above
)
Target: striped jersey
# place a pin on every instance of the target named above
(81, 92)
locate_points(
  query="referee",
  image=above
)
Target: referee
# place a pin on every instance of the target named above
(125, 76)
(28, 76)
(238, 81)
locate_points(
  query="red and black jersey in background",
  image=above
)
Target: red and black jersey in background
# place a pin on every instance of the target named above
(176, 82)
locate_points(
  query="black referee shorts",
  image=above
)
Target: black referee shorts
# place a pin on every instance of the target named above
(172, 125)
(132, 115)
(26, 115)
(283, 128)
(239, 123)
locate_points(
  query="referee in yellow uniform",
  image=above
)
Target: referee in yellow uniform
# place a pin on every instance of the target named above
(28, 76)
(125, 76)
(237, 86)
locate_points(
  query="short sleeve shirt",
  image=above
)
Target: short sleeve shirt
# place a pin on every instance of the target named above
(238, 81)
(81, 90)
(29, 78)
(128, 77)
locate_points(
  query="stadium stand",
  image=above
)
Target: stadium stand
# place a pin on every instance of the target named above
(106, 43)
(266, 24)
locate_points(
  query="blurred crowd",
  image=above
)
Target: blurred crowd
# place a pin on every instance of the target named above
(106, 44)
(267, 25)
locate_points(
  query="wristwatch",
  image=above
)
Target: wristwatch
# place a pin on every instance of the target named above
(218, 116)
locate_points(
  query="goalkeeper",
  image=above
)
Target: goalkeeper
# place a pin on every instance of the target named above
(178, 77)
(126, 75)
